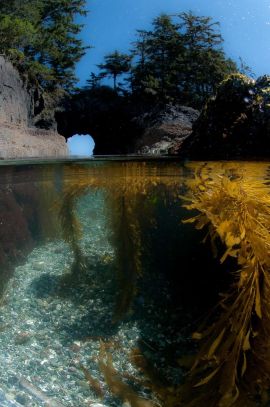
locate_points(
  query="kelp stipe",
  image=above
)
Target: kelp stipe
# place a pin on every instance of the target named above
(125, 190)
(116, 384)
(232, 367)
(71, 228)
(128, 257)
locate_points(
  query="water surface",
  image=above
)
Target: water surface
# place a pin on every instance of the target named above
(111, 274)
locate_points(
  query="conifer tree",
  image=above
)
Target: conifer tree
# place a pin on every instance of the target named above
(42, 36)
(204, 61)
(94, 81)
(115, 64)
(157, 52)
(180, 59)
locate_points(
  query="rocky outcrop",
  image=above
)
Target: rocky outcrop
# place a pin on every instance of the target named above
(235, 124)
(23, 142)
(22, 107)
(165, 129)
(103, 114)
(120, 125)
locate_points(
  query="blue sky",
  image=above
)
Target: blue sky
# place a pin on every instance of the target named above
(80, 145)
(111, 24)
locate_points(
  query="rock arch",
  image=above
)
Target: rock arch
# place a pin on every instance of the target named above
(103, 114)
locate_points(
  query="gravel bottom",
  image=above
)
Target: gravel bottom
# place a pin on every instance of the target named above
(52, 324)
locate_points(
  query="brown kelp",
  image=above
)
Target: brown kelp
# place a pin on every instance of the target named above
(232, 367)
(93, 383)
(71, 229)
(116, 384)
(125, 188)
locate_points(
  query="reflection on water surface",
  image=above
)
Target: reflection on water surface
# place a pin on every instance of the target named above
(111, 273)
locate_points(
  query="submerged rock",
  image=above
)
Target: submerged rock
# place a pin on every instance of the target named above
(235, 123)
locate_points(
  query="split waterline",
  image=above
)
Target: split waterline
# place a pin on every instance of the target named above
(109, 266)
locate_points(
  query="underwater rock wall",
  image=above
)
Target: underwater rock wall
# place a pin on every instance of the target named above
(21, 108)
(25, 207)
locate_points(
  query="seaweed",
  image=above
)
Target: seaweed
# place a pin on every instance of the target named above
(127, 241)
(71, 229)
(93, 383)
(115, 383)
(125, 189)
(232, 367)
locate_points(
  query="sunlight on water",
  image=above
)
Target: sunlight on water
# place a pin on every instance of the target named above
(109, 271)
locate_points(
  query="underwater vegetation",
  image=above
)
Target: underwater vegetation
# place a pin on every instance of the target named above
(127, 187)
(232, 367)
(230, 203)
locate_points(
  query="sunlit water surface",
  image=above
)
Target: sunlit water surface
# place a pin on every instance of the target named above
(110, 266)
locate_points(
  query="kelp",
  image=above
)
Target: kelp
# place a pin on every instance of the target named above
(231, 202)
(116, 384)
(161, 394)
(232, 367)
(167, 395)
(93, 383)
(127, 239)
(125, 188)
(71, 229)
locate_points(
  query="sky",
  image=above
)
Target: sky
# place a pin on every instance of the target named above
(80, 145)
(112, 24)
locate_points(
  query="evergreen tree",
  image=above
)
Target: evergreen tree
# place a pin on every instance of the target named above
(180, 59)
(94, 81)
(61, 49)
(41, 36)
(157, 52)
(115, 64)
(140, 71)
(204, 61)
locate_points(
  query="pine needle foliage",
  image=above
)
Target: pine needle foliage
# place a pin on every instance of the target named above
(41, 37)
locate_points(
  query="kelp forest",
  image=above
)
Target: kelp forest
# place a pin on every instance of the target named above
(148, 287)
(224, 357)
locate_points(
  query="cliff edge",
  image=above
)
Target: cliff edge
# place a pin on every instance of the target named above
(22, 130)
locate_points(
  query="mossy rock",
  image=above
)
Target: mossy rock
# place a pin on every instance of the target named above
(233, 124)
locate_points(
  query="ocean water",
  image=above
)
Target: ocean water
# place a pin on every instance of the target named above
(134, 282)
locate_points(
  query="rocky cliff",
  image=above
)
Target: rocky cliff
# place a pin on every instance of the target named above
(22, 129)
(165, 129)
(234, 124)
(122, 125)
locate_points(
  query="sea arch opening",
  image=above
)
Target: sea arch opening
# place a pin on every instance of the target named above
(81, 145)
